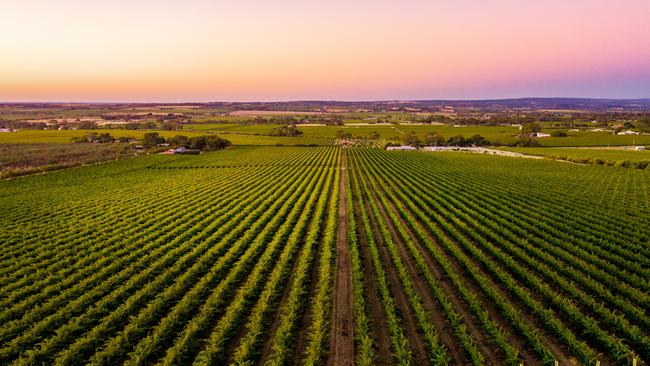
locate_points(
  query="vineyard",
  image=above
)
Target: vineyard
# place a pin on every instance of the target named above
(264, 255)
(481, 260)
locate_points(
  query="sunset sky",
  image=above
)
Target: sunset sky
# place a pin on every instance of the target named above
(243, 50)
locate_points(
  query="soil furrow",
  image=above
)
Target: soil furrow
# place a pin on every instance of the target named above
(342, 336)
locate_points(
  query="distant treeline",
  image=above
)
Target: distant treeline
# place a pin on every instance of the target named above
(287, 131)
(550, 118)
(90, 125)
(326, 119)
(100, 138)
(204, 143)
(154, 139)
(434, 139)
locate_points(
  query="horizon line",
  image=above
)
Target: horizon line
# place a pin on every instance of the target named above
(328, 100)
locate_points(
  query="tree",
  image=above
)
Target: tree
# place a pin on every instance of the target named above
(457, 140)
(288, 131)
(214, 142)
(207, 143)
(643, 123)
(434, 139)
(478, 140)
(151, 139)
(526, 142)
(341, 134)
(87, 125)
(411, 139)
(179, 140)
(197, 143)
(170, 126)
(530, 128)
(94, 137)
(373, 135)
(628, 125)
(601, 123)
(558, 133)
(103, 138)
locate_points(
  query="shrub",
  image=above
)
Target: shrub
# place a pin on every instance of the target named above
(642, 164)
(288, 131)
(151, 139)
(624, 163)
(526, 142)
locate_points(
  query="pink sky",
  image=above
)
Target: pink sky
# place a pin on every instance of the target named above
(73, 50)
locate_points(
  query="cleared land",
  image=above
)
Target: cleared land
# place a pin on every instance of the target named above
(262, 255)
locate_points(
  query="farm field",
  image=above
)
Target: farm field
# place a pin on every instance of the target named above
(19, 159)
(474, 259)
(192, 262)
(65, 137)
(501, 134)
(589, 138)
(595, 153)
(326, 255)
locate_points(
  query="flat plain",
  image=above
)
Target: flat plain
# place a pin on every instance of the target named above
(234, 256)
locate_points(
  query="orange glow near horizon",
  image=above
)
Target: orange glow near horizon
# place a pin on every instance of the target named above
(281, 50)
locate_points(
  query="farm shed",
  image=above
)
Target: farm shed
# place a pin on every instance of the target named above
(400, 148)
(437, 148)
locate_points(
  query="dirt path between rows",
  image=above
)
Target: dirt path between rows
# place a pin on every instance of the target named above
(342, 337)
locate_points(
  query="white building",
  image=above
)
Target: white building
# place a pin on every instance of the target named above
(400, 148)
(439, 148)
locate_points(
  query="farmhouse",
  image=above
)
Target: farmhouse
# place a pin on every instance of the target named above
(400, 148)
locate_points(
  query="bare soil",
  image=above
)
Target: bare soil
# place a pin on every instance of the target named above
(342, 335)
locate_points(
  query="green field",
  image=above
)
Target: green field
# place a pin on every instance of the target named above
(600, 153)
(237, 133)
(503, 134)
(315, 255)
(588, 138)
